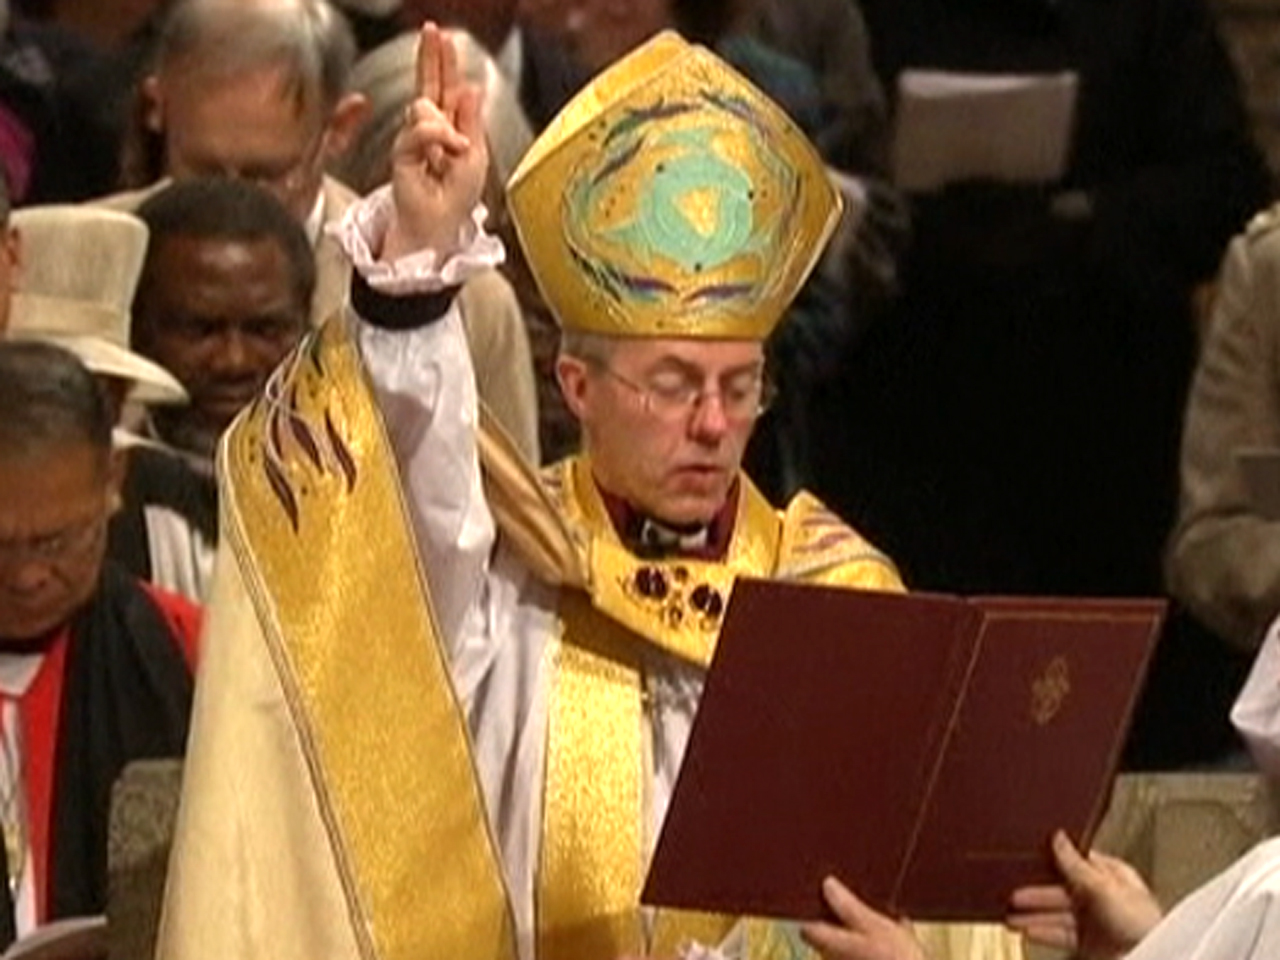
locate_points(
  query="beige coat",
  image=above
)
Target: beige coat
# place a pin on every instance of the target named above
(490, 314)
(1223, 560)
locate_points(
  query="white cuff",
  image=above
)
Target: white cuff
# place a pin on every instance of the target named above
(365, 223)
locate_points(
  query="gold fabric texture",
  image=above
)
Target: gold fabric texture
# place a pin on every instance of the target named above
(316, 517)
(596, 811)
(592, 862)
(672, 198)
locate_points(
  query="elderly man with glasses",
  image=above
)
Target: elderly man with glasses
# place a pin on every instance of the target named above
(257, 90)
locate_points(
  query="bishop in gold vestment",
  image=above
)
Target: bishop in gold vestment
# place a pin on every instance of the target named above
(444, 699)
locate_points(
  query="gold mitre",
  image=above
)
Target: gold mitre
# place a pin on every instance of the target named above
(671, 198)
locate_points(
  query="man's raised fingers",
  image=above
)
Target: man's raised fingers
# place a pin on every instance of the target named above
(428, 66)
(427, 141)
(449, 77)
(469, 116)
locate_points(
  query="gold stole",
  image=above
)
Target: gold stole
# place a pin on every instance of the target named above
(596, 805)
(314, 512)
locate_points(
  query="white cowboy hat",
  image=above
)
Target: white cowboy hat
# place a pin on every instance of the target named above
(80, 266)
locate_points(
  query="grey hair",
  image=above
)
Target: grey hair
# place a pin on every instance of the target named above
(587, 346)
(49, 399)
(309, 39)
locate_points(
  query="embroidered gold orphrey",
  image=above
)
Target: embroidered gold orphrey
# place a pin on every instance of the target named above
(316, 517)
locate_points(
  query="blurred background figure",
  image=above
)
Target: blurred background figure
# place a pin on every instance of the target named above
(223, 297)
(256, 90)
(44, 150)
(1223, 559)
(80, 269)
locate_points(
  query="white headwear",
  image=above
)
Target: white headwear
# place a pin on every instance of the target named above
(80, 267)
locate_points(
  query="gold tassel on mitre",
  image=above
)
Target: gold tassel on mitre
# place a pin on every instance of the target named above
(671, 198)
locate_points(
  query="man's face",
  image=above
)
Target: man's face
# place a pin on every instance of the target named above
(220, 314)
(247, 125)
(54, 508)
(666, 421)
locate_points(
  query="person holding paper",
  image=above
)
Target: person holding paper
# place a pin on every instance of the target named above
(1022, 409)
(444, 701)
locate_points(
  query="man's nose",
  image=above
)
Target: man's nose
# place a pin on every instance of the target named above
(234, 353)
(25, 576)
(710, 422)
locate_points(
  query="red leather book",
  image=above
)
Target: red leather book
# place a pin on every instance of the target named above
(922, 748)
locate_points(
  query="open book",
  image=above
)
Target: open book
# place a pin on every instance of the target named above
(923, 748)
(72, 938)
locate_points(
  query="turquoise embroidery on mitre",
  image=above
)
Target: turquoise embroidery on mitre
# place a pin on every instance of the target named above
(683, 206)
(696, 209)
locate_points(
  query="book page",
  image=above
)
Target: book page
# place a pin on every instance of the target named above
(952, 127)
(71, 938)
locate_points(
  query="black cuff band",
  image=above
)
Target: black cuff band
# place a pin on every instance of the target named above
(399, 312)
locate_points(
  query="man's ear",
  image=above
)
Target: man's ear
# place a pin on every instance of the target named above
(571, 372)
(348, 117)
(117, 468)
(151, 92)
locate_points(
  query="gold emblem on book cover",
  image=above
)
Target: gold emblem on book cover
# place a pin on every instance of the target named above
(1049, 691)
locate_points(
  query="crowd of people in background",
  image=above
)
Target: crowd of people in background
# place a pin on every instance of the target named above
(1046, 389)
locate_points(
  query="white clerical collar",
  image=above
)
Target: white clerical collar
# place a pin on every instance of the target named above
(17, 672)
(510, 58)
